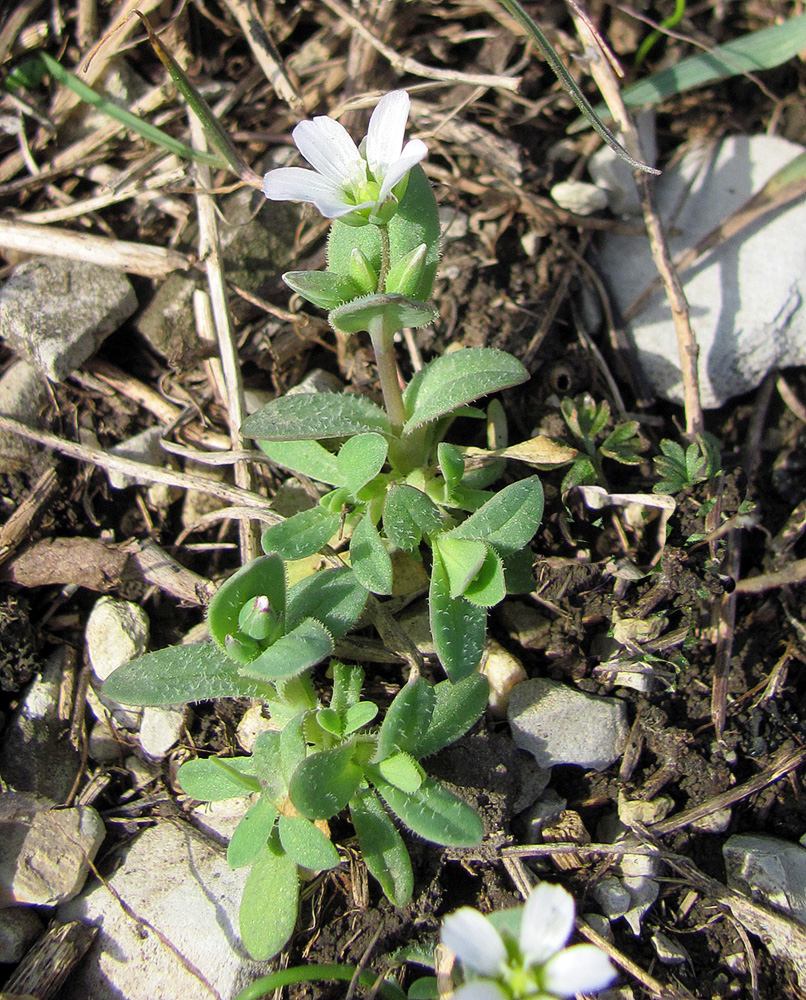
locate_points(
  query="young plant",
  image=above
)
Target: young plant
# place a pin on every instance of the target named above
(679, 468)
(396, 484)
(587, 420)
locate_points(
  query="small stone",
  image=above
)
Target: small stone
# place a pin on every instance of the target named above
(123, 716)
(143, 447)
(179, 883)
(643, 893)
(19, 928)
(746, 296)
(715, 822)
(632, 811)
(612, 897)
(737, 963)
(503, 672)
(770, 868)
(543, 813)
(222, 817)
(669, 952)
(252, 724)
(579, 197)
(560, 725)
(613, 174)
(601, 925)
(56, 313)
(23, 397)
(44, 859)
(160, 729)
(117, 632)
(103, 746)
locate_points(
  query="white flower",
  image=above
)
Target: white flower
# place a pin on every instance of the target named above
(537, 965)
(357, 186)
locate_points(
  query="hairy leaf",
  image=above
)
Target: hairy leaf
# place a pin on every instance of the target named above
(301, 535)
(462, 558)
(360, 460)
(333, 597)
(508, 520)
(306, 844)
(305, 646)
(264, 576)
(324, 782)
(305, 458)
(434, 813)
(213, 779)
(457, 707)
(408, 514)
(382, 847)
(458, 627)
(269, 904)
(252, 834)
(369, 559)
(487, 588)
(406, 719)
(315, 415)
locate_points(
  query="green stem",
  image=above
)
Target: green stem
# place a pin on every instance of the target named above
(311, 973)
(386, 258)
(381, 333)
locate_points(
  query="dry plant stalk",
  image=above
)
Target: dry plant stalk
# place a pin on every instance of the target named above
(606, 80)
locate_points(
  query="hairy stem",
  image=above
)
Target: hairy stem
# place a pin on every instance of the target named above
(381, 333)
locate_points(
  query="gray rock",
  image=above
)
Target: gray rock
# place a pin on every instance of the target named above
(746, 296)
(55, 313)
(45, 853)
(23, 397)
(181, 884)
(579, 197)
(257, 243)
(616, 177)
(643, 893)
(117, 631)
(770, 868)
(559, 725)
(19, 928)
(103, 746)
(543, 813)
(34, 755)
(160, 729)
(612, 897)
(143, 447)
(669, 952)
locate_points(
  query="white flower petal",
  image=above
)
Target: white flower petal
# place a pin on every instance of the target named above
(546, 924)
(414, 151)
(479, 989)
(296, 184)
(474, 941)
(584, 968)
(385, 133)
(327, 146)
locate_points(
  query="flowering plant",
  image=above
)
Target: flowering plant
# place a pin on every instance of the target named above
(520, 954)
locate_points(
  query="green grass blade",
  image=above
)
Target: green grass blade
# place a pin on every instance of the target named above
(197, 104)
(514, 8)
(759, 50)
(147, 131)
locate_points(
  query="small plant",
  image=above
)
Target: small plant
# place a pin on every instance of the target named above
(587, 420)
(679, 468)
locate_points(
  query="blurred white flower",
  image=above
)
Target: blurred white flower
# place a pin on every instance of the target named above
(355, 185)
(537, 966)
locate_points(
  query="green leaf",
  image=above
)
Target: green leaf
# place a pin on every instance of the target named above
(402, 771)
(459, 628)
(396, 310)
(264, 576)
(252, 834)
(581, 473)
(509, 520)
(323, 783)
(266, 755)
(301, 535)
(269, 903)
(124, 117)
(458, 378)
(348, 679)
(315, 415)
(306, 844)
(360, 460)
(408, 514)
(457, 707)
(333, 597)
(303, 647)
(434, 813)
(358, 716)
(451, 464)
(519, 572)
(462, 558)
(424, 988)
(198, 671)
(330, 720)
(305, 458)
(382, 847)
(214, 779)
(369, 559)
(322, 288)
(292, 747)
(405, 275)
(487, 588)
(406, 719)
(758, 50)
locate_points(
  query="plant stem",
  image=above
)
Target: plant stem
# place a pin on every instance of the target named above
(381, 333)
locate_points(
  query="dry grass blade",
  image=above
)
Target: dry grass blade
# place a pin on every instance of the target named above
(121, 255)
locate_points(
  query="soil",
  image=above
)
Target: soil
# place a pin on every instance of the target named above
(514, 279)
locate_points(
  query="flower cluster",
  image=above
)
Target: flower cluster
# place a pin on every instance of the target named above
(356, 185)
(525, 957)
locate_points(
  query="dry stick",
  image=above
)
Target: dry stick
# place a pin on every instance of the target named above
(139, 470)
(404, 64)
(210, 253)
(606, 80)
(136, 258)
